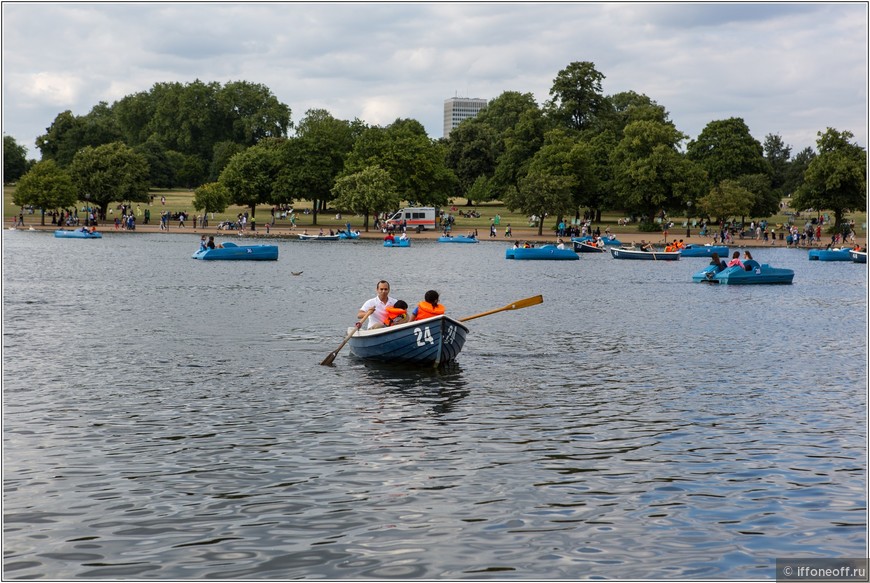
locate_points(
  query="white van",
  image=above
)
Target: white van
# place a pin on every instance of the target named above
(416, 217)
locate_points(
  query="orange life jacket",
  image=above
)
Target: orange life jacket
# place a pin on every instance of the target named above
(392, 314)
(427, 310)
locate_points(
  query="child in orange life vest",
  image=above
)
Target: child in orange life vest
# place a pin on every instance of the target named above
(396, 314)
(429, 307)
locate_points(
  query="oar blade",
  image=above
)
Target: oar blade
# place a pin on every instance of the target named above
(514, 306)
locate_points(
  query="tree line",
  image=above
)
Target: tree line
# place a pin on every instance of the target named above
(580, 151)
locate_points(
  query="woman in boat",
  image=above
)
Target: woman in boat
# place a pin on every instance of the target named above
(644, 246)
(429, 307)
(210, 243)
(735, 260)
(719, 263)
(748, 262)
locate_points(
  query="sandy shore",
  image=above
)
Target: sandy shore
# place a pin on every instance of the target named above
(519, 234)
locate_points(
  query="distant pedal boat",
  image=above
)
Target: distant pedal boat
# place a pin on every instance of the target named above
(397, 243)
(457, 239)
(736, 275)
(544, 252)
(704, 250)
(77, 234)
(232, 252)
(430, 342)
(844, 254)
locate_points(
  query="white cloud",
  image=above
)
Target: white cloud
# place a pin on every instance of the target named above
(792, 69)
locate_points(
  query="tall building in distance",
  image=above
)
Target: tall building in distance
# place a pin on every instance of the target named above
(457, 109)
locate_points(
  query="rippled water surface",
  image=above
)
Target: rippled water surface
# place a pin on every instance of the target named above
(168, 418)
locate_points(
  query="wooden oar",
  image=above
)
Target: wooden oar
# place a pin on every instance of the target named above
(331, 356)
(514, 306)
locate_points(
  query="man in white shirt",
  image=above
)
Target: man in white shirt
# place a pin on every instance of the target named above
(375, 309)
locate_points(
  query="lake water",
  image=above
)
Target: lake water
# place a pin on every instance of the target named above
(166, 418)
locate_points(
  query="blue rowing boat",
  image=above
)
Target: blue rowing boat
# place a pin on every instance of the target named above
(758, 274)
(456, 239)
(844, 254)
(430, 342)
(304, 237)
(587, 247)
(650, 255)
(704, 250)
(858, 256)
(232, 252)
(397, 243)
(77, 234)
(544, 252)
(609, 240)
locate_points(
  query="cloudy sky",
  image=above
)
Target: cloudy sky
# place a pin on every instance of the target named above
(791, 69)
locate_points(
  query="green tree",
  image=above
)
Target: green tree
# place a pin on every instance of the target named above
(211, 197)
(251, 113)
(109, 173)
(727, 200)
(726, 149)
(766, 200)
(520, 144)
(541, 194)
(161, 173)
(45, 186)
(61, 140)
(416, 163)
(562, 155)
(649, 174)
(576, 94)
(836, 179)
(221, 155)
(312, 160)
(14, 160)
(777, 155)
(250, 176)
(370, 190)
(471, 155)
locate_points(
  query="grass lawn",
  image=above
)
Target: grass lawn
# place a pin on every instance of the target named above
(181, 200)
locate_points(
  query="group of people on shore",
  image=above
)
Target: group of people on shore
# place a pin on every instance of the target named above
(383, 310)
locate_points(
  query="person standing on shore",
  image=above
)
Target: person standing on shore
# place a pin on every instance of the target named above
(375, 310)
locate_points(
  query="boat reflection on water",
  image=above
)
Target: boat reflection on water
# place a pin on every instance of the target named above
(439, 388)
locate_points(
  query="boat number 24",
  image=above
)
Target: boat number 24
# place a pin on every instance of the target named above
(424, 336)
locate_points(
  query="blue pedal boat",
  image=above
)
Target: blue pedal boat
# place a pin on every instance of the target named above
(430, 342)
(457, 239)
(397, 243)
(858, 256)
(844, 254)
(704, 251)
(348, 234)
(758, 274)
(77, 234)
(544, 252)
(232, 252)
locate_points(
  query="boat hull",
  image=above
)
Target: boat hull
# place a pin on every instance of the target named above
(704, 251)
(587, 248)
(319, 237)
(61, 234)
(830, 255)
(543, 253)
(430, 342)
(398, 243)
(648, 255)
(763, 274)
(858, 256)
(346, 235)
(230, 252)
(609, 241)
(458, 239)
